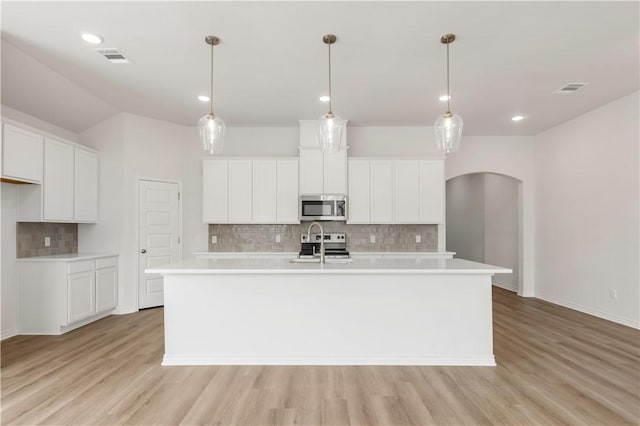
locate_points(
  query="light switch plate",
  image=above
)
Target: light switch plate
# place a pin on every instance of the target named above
(418, 238)
(277, 238)
(47, 241)
(372, 239)
(214, 239)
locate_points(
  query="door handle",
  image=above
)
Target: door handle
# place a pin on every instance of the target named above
(143, 251)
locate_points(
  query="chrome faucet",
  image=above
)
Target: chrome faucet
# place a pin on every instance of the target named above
(321, 239)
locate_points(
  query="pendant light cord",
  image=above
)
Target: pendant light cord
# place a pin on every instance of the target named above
(448, 92)
(211, 99)
(330, 95)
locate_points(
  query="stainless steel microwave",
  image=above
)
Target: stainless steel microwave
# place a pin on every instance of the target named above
(323, 207)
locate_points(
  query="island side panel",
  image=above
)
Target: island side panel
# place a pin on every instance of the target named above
(328, 319)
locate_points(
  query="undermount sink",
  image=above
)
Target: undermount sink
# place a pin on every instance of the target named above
(317, 260)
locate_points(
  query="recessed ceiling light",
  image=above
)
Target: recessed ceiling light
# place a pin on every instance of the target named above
(91, 38)
(324, 98)
(444, 98)
(517, 118)
(203, 98)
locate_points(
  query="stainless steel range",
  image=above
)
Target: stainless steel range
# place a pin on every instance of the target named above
(335, 246)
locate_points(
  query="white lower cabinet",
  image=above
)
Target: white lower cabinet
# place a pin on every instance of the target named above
(56, 296)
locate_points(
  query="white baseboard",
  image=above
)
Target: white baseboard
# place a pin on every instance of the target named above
(5, 334)
(596, 313)
(121, 310)
(168, 360)
(510, 287)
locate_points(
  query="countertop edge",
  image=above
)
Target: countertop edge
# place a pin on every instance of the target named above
(71, 257)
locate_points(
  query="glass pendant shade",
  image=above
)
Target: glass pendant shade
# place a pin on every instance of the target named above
(448, 129)
(211, 130)
(330, 130)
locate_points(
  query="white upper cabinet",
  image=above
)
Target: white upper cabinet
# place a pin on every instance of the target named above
(85, 207)
(311, 171)
(396, 191)
(406, 191)
(432, 191)
(359, 199)
(69, 182)
(321, 173)
(287, 192)
(58, 181)
(242, 190)
(381, 188)
(265, 189)
(215, 190)
(22, 153)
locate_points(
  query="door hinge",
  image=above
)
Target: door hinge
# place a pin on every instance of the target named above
(178, 240)
(178, 195)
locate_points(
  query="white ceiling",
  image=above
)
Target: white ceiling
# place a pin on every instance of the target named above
(388, 63)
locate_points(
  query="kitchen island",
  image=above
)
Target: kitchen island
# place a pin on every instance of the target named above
(373, 311)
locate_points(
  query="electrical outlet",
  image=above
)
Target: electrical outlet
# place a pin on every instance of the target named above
(214, 239)
(418, 238)
(277, 238)
(47, 241)
(613, 293)
(372, 239)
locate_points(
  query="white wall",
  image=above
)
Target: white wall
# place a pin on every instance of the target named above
(29, 120)
(465, 216)
(8, 289)
(510, 156)
(587, 196)
(133, 147)
(502, 227)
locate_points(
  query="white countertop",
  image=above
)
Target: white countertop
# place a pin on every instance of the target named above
(293, 254)
(66, 257)
(378, 265)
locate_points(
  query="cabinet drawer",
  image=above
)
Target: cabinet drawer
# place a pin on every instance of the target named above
(106, 262)
(82, 266)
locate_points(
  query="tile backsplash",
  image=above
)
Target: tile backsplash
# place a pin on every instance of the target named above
(388, 238)
(30, 238)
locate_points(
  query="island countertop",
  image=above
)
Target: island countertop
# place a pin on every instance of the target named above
(375, 265)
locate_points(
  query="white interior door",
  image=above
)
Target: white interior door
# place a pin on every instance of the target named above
(158, 236)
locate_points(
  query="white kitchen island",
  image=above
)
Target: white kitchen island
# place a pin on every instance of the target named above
(376, 311)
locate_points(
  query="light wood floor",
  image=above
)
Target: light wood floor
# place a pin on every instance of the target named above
(555, 366)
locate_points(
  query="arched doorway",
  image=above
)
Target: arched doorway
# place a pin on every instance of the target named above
(484, 222)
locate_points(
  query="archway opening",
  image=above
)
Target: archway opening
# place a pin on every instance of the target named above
(484, 223)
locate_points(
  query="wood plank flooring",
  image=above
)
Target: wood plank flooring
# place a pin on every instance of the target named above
(555, 366)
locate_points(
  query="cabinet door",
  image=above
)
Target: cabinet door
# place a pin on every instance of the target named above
(287, 197)
(407, 191)
(240, 191)
(80, 296)
(85, 205)
(264, 191)
(58, 181)
(106, 289)
(359, 195)
(381, 191)
(335, 172)
(21, 154)
(215, 191)
(311, 170)
(432, 191)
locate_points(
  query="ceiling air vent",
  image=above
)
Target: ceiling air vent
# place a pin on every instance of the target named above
(570, 88)
(114, 56)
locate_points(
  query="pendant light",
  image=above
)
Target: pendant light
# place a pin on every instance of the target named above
(330, 126)
(210, 126)
(448, 127)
